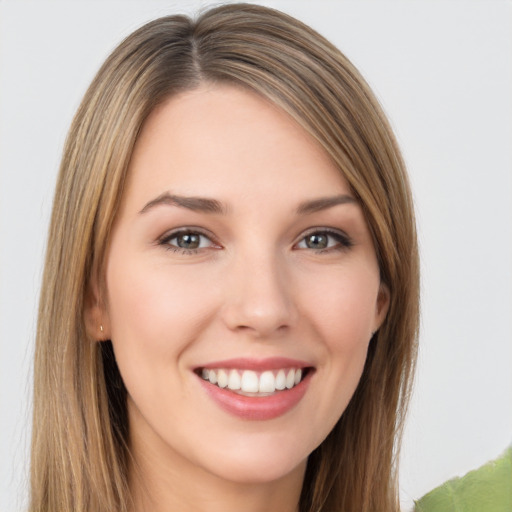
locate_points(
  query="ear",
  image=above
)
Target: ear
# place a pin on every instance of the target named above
(381, 306)
(96, 317)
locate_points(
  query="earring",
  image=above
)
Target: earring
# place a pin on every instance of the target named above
(101, 327)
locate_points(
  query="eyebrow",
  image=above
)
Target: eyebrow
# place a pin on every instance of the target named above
(207, 205)
(323, 203)
(196, 204)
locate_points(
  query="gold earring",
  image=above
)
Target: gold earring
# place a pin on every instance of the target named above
(101, 327)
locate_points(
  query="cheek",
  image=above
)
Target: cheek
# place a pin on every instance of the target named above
(343, 305)
(154, 316)
(343, 308)
(151, 305)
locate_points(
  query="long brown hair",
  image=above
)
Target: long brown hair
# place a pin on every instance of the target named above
(80, 434)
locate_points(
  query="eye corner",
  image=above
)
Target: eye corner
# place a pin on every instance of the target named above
(189, 241)
(321, 240)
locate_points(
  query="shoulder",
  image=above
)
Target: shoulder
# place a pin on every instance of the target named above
(486, 489)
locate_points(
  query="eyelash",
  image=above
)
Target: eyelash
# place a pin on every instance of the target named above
(165, 241)
(343, 242)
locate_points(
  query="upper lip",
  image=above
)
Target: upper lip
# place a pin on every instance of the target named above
(245, 363)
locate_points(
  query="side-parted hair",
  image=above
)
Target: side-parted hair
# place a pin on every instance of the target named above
(80, 454)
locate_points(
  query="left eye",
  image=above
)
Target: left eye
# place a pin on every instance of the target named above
(321, 240)
(187, 240)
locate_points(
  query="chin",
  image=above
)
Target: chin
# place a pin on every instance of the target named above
(251, 472)
(257, 460)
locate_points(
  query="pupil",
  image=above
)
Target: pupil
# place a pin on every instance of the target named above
(317, 241)
(189, 241)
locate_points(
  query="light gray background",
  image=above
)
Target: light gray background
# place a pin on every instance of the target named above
(443, 71)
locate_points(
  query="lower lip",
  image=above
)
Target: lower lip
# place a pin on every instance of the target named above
(257, 408)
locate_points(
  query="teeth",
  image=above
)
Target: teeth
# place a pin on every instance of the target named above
(248, 381)
(290, 379)
(280, 380)
(234, 381)
(267, 382)
(222, 378)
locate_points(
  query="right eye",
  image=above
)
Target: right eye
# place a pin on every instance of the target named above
(325, 240)
(186, 241)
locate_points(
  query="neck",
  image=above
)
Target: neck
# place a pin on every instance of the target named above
(161, 483)
(203, 494)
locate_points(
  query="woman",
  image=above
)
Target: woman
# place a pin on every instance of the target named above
(230, 301)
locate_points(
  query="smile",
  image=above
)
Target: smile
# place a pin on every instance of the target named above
(253, 383)
(253, 389)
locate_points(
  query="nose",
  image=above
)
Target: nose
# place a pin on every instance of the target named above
(259, 297)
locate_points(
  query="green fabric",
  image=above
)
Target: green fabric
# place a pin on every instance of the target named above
(487, 489)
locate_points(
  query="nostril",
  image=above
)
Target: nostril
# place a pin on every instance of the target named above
(258, 304)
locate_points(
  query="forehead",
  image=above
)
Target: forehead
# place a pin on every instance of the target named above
(227, 141)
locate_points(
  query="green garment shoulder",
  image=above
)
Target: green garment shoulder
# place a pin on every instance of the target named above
(487, 489)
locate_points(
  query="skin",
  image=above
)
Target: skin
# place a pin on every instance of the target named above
(254, 288)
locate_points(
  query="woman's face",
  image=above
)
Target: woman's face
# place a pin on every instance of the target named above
(239, 258)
